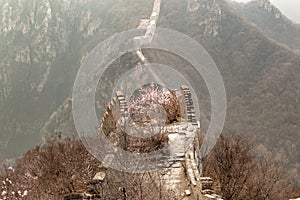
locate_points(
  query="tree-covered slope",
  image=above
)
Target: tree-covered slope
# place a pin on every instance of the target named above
(271, 22)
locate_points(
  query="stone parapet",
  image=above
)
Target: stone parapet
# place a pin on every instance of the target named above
(182, 175)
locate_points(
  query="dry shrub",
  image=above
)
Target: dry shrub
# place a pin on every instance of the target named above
(46, 172)
(243, 176)
(61, 167)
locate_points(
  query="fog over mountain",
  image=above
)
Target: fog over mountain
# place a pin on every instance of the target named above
(43, 43)
(271, 21)
(288, 7)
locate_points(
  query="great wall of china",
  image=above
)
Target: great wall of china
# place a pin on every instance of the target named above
(182, 175)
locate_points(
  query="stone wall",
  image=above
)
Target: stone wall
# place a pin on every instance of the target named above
(182, 176)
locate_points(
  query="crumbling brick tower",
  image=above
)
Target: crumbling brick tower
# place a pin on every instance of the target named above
(180, 131)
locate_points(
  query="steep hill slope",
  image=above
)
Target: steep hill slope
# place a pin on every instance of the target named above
(271, 21)
(262, 78)
(41, 46)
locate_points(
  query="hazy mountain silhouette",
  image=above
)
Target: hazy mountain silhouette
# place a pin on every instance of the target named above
(271, 22)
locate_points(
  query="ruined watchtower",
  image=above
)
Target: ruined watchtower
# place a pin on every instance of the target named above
(170, 115)
(180, 131)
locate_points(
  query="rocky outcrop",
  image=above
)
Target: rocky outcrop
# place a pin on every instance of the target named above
(210, 24)
(93, 189)
(269, 7)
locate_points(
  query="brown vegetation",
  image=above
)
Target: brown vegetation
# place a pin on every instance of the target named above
(65, 166)
(62, 167)
(241, 175)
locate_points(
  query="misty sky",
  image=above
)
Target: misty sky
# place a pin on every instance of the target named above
(290, 8)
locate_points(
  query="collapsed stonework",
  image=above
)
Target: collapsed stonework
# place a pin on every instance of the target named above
(180, 132)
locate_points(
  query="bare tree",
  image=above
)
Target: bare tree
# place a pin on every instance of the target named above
(65, 166)
(243, 176)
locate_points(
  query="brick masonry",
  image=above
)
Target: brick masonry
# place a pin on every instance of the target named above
(182, 175)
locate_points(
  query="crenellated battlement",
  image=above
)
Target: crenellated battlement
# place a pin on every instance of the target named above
(179, 131)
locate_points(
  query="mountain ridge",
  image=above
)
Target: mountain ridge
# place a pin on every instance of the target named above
(270, 20)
